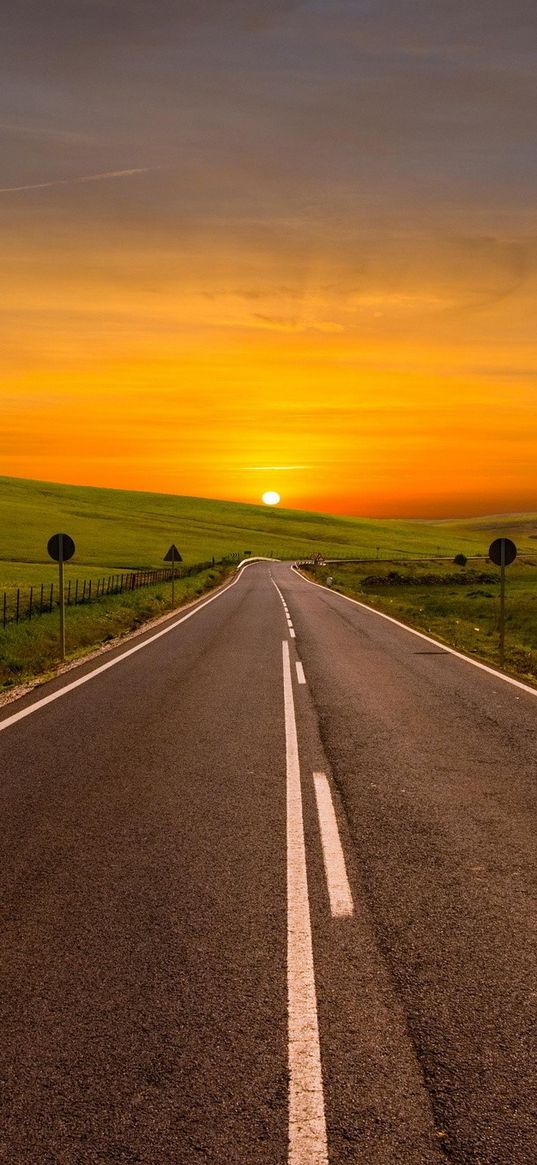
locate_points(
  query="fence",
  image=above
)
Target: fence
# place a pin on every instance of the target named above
(29, 603)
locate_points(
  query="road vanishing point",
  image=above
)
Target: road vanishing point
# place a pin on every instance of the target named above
(269, 892)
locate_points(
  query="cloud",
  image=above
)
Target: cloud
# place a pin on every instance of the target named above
(95, 28)
(293, 323)
(280, 468)
(74, 181)
(17, 129)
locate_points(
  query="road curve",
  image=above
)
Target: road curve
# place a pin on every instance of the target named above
(268, 895)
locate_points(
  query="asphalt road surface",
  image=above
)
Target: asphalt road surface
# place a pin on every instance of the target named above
(268, 897)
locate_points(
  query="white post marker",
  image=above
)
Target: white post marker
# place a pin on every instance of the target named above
(339, 891)
(307, 1122)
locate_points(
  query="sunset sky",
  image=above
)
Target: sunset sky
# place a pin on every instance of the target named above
(272, 244)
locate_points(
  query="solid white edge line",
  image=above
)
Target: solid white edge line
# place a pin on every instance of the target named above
(112, 662)
(339, 891)
(307, 1122)
(300, 672)
(421, 635)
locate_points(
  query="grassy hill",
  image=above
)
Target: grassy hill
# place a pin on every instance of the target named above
(120, 529)
(116, 530)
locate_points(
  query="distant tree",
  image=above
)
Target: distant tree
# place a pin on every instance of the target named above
(460, 560)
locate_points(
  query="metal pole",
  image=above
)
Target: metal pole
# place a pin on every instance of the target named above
(62, 601)
(502, 604)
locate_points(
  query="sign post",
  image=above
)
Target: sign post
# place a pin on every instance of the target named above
(61, 548)
(502, 552)
(173, 556)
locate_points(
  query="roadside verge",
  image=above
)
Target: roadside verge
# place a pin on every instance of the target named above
(479, 663)
(100, 629)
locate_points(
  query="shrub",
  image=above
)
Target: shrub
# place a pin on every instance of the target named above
(460, 560)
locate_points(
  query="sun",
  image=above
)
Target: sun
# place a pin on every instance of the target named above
(270, 498)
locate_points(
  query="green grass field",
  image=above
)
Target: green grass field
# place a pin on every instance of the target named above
(120, 530)
(32, 648)
(117, 530)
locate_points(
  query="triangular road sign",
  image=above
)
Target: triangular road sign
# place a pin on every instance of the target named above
(173, 554)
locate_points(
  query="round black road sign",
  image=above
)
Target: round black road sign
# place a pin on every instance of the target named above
(61, 547)
(502, 548)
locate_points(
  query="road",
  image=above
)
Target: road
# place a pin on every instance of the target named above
(211, 955)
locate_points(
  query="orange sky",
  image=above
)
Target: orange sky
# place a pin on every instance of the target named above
(253, 289)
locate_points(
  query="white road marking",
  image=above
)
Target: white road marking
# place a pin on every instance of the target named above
(307, 1122)
(300, 672)
(421, 635)
(289, 623)
(339, 891)
(111, 662)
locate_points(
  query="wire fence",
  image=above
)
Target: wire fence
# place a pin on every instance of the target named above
(26, 603)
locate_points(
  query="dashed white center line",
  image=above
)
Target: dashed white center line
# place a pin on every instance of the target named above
(339, 891)
(300, 672)
(307, 1122)
(287, 615)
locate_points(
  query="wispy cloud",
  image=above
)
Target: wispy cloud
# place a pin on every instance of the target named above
(262, 468)
(294, 324)
(74, 181)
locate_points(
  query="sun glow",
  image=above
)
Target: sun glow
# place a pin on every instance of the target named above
(271, 498)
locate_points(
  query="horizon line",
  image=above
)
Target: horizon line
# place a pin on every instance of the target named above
(274, 509)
